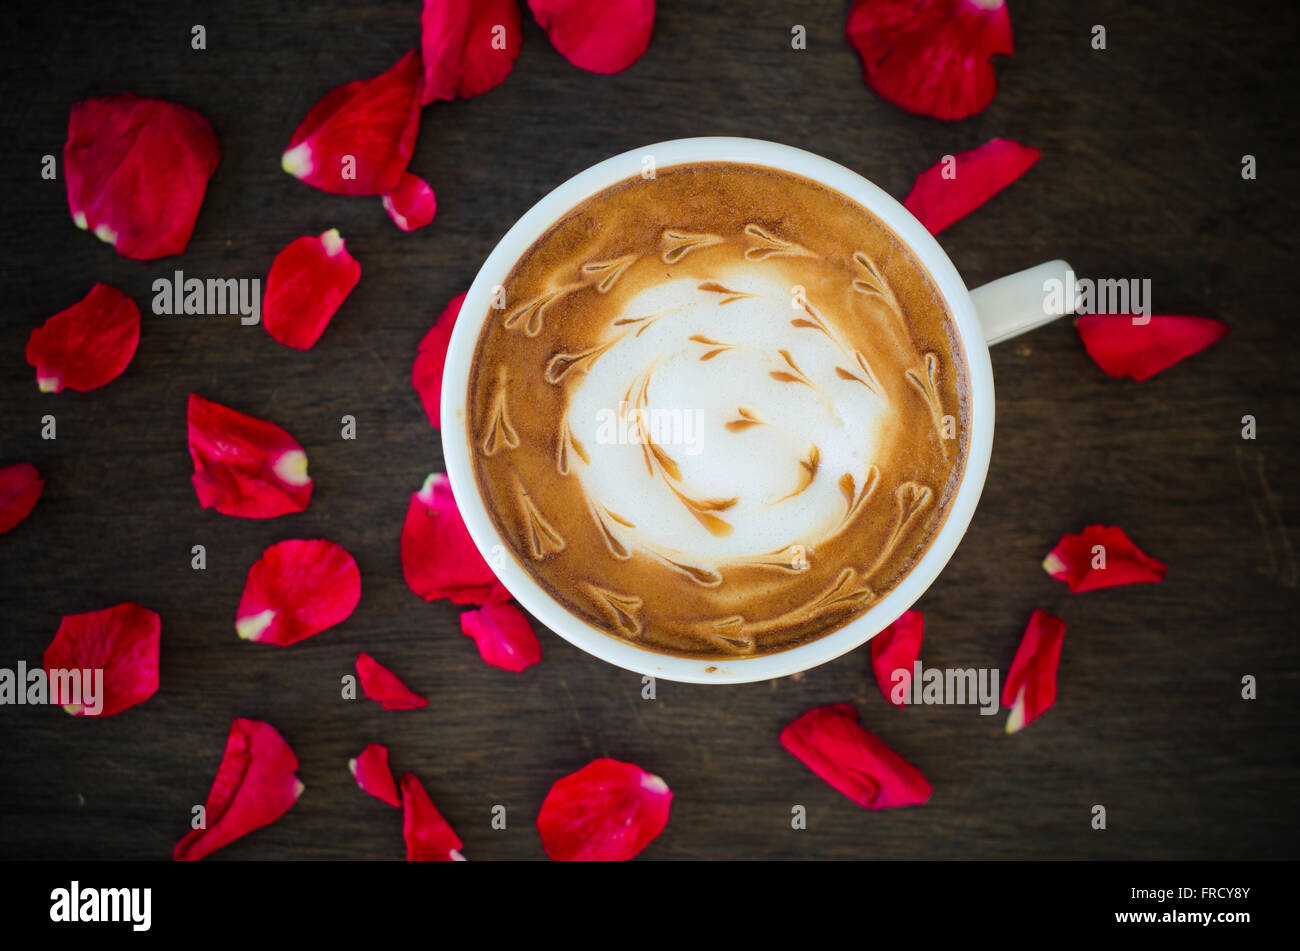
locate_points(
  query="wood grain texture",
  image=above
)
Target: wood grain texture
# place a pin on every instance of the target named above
(1140, 177)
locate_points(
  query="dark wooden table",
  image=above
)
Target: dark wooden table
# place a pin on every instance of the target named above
(1140, 177)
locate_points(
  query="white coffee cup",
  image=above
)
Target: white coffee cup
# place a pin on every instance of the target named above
(987, 315)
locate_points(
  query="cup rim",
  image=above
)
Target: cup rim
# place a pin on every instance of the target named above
(475, 310)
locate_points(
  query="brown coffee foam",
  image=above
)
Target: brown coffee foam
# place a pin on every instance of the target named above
(562, 296)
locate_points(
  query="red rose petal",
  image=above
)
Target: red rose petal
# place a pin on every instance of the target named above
(20, 486)
(412, 203)
(897, 647)
(601, 36)
(429, 837)
(931, 56)
(256, 784)
(1101, 557)
(121, 641)
(136, 171)
(439, 559)
(976, 176)
(296, 589)
(358, 139)
(431, 359)
(243, 465)
(608, 811)
(468, 46)
(383, 686)
(373, 775)
(308, 282)
(1031, 684)
(504, 637)
(87, 345)
(831, 742)
(1140, 347)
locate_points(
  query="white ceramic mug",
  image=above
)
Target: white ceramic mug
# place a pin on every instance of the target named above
(987, 315)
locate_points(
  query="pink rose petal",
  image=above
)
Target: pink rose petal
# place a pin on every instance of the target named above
(120, 641)
(245, 466)
(504, 637)
(298, 588)
(439, 559)
(374, 776)
(86, 345)
(429, 837)
(412, 203)
(256, 784)
(385, 687)
(309, 281)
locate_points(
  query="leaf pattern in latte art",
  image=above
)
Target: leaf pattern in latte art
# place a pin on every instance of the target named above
(874, 284)
(794, 559)
(500, 434)
(728, 295)
(911, 499)
(543, 539)
(928, 387)
(677, 244)
(608, 271)
(848, 590)
(529, 314)
(623, 609)
(603, 517)
(566, 442)
(559, 365)
(763, 245)
(717, 346)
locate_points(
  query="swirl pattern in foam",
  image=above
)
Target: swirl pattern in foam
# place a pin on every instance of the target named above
(721, 412)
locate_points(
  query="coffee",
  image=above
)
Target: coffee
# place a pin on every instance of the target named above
(718, 412)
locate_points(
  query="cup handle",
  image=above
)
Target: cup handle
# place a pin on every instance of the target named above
(1019, 302)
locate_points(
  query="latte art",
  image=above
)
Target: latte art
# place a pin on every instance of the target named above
(722, 411)
(778, 431)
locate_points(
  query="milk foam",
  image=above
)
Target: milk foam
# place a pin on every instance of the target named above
(796, 426)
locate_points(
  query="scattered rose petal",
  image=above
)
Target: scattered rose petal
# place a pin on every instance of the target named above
(468, 46)
(20, 486)
(121, 641)
(1140, 347)
(897, 647)
(87, 345)
(373, 774)
(431, 359)
(1101, 557)
(933, 56)
(949, 191)
(358, 139)
(411, 204)
(243, 465)
(1031, 684)
(504, 637)
(600, 36)
(608, 811)
(296, 589)
(439, 559)
(831, 742)
(308, 282)
(383, 686)
(429, 837)
(136, 171)
(256, 784)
